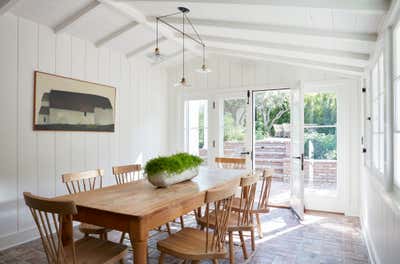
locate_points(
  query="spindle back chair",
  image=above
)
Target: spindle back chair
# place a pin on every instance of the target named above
(77, 182)
(195, 245)
(49, 216)
(127, 173)
(230, 163)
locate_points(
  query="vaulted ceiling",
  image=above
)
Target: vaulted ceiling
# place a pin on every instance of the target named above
(337, 35)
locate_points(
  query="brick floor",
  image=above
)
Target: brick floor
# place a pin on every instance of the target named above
(320, 238)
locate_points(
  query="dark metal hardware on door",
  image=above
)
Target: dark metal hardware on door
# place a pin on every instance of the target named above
(245, 153)
(301, 158)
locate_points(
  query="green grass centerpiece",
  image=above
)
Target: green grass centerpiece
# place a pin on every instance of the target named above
(165, 171)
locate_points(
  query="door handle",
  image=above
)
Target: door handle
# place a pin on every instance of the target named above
(301, 158)
(245, 153)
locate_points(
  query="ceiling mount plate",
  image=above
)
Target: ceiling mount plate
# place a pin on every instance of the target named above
(184, 9)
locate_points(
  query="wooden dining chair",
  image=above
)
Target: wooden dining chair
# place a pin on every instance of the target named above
(263, 197)
(194, 244)
(129, 173)
(82, 182)
(230, 163)
(240, 220)
(48, 215)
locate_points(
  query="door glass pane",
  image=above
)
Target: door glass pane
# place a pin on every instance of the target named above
(234, 127)
(320, 137)
(272, 141)
(196, 128)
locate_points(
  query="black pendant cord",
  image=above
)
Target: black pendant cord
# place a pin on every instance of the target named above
(194, 29)
(183, 45)
(204, 54)
(157, 33)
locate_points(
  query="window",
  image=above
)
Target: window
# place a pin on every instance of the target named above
(196, 128)
(378, 115)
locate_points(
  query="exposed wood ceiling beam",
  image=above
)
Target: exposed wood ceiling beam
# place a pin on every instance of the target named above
(289, 47)
(75, 17)
(358, 71)
(144, 48)
(6, 5)
(138, 16)
(367, 37)
(116, 34)
(370, 6)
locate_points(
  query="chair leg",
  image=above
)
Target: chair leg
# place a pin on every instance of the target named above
(253, 241)
(105, 235)
(161, 258)
(121, 240)
(231, 249)
(259, 227)
(182, 223)
(168, 228)
(215, 261)
(243, 245)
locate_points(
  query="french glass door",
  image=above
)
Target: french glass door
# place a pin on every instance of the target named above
(235, 127)
(324, 142)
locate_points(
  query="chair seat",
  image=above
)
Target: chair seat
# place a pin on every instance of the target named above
(233, 224)
(92, 250)
(92, 229)
(237, 208)
(189, 243)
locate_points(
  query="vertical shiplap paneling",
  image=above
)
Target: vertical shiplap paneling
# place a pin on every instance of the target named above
(104, 137)
(135, 108)
(249, 74)
(35, 160)
(63, 139)
(261, 72)
(78, 157)
(27, 152)
(224, 74)
(46, 139)
(115, 81)
(235, 74)
(92, 75)
(126, 118)
(9, 127)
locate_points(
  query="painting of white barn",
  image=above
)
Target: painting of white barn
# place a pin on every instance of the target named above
(72, 105)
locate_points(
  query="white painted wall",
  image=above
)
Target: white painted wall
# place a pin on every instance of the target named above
(34, 161)
(380, 218)
(234, 75)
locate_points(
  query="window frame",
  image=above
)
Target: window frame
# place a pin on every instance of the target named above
(376, 126)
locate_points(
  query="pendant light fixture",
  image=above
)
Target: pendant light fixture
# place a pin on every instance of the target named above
(158, 56)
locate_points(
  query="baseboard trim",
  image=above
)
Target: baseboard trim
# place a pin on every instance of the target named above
(15, 239)
(370, 244)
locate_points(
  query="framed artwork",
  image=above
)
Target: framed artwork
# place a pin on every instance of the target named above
(67, 104)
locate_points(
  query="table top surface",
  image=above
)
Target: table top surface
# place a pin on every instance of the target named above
(140, 198)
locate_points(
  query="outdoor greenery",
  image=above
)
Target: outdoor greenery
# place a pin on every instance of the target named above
(234, 119)
(174, 164)
(273, 108)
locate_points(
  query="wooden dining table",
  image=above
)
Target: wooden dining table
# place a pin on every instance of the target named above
(138, 207)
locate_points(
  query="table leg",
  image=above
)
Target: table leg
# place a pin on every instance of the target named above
(138, 239)
(67, 234)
